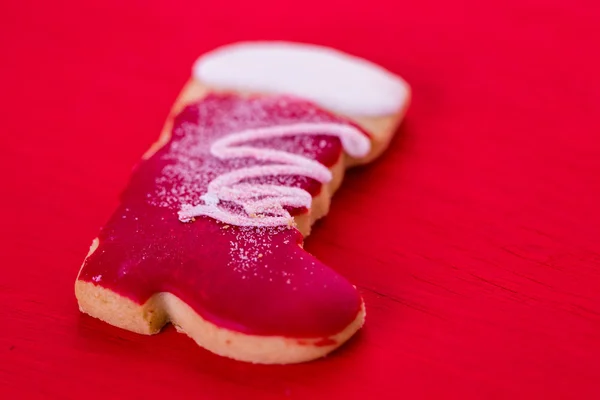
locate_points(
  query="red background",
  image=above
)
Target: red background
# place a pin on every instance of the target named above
(475, 239)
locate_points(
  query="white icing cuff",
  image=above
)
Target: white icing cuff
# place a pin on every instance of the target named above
(330, 78)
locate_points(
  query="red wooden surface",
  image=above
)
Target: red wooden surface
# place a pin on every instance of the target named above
(475, 240)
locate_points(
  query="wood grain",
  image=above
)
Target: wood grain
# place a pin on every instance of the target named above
(475, 239)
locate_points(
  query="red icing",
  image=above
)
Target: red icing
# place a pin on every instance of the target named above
(252, 280)
(325, 342)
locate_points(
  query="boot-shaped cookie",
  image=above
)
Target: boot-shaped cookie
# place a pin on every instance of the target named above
(209, 231)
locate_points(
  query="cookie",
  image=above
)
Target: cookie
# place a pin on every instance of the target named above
(208, 233)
